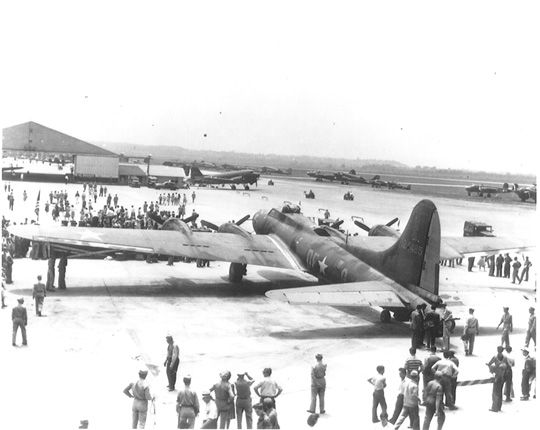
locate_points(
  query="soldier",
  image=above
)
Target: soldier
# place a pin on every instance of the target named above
(506, 321)
(318, 384)
(38, 295)
(417, 327)
(171, 362)
(525, 272)
(528, 374)
(497, 366)
(187, 405)
(8, 267)
(516, 265)
(447, 319)
(491, 264)
(62, 264)
(19, 318)
(507, 262)
(470, 331)
(499, 263)
(431, 321)
(243, 399)
(531, 328)
(140, 393)
(508, 384)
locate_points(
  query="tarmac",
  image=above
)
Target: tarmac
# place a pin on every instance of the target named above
(113, 318)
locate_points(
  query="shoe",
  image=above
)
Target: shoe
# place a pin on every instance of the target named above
(524, 398)
(493, 410)
(311, 412)
(376, 421)
(452, 408)
(14, 344)
(508, 399)
(171, 389)
(323, 412)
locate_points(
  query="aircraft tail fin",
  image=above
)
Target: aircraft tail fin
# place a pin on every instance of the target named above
(376, 178)
(195, 172)
(186, 171)
(414, 259)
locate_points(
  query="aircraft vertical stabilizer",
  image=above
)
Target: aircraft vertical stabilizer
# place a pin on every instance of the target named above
(195, 172)
(414, 259)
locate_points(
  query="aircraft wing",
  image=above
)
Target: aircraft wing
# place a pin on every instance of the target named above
(367, 293)
(262, 250)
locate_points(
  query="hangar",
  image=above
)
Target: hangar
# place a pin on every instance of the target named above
(35, 141)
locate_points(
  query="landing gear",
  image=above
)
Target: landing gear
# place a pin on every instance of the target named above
(402, 316)
(246, 187)
(237, 272)
(233, 187)
(385, 316)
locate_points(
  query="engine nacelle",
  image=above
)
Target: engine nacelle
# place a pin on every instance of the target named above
(230, 227)
(176, 225)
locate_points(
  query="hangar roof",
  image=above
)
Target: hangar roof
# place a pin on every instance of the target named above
(126, 169)
(34, 137)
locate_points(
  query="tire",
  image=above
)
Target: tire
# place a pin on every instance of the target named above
(385, 316)
(236, 272)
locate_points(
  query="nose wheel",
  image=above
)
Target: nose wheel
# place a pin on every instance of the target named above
(385, 316)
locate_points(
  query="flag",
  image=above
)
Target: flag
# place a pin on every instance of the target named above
(37, 204)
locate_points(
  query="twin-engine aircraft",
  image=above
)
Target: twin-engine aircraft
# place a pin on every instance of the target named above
(395, 272)
(233, 178)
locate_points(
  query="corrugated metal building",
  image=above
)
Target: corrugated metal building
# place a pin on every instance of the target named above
(91, 161)
(127, 172)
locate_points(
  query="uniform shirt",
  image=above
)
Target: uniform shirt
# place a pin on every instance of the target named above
(516, 265)
(498, 366)
(412, 363)
(39, 290)
(268, 387)
(188, 398)
(471, 325)
(140, 390)
(173, 352)
(243, 388)
(19, 313)
(532, 324)
(446, 367)
(500, 260)
(318, 373)
(506, 321)
(378, 381)
(210, 410)
(432, 392)
(410, 394)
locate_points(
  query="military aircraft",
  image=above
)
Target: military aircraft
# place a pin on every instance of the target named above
(395, 273)
(320, 175)
(245, 177)
(11, 168)
(488, 191)
(350, 177)
(275, 171)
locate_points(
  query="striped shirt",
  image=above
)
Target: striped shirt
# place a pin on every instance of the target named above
(413, 363)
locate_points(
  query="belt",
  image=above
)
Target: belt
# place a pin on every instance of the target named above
(187, 406)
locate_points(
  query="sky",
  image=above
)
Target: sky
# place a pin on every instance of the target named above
(446, 84)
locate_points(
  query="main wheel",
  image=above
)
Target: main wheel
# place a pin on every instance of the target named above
(246, 187)
(237, 272)
(385, 316)
(402, 316)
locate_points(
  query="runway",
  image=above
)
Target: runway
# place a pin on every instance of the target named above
(113, 319)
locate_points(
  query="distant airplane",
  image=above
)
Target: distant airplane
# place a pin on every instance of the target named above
(275, 171)
(395, 273)
(233, 178)
(321, 175)
(12, 168)
(488, 191)
(350, 177)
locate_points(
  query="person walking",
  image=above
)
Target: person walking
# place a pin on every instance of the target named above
(38, 294)
(171, 362)
(318, 384)
(516, 265)
(507, 327)
(525, 272)
(140, 393)
(410, 402)
(497, 366)
(187, 405)
(528, 374)
(19, 318)
(210, 412)
(499, 264)
(268, 387)
(427, 370)
(433, 400)
(399, 400)
(243, 399)
(449, 371)
(224, 399)
(379, 384)
(470, 331)
(531, 328)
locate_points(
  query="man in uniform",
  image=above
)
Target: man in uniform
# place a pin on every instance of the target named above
(318, 384)
(507, 262)
(508, 377)
(525, 272)
(172, 361)
(417, 327)
(187, 405)
(50, 272)
(470, 331)
(431, 321)
(38, 294)
(527, 375)
(243, 399)
(433, 400)
(9, 268)
(497, 366)
(447, 319)
(491, 263)
(531, 328)
(516, 265)
(62, 264)
(268, 387)
(140, 393)
(506, 321)
(499, 263)
(19, 319)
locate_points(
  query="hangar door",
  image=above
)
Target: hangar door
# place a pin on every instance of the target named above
(96, 166)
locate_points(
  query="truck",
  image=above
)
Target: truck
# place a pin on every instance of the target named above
(478, 229)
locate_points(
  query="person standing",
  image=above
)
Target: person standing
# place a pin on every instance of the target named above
(508, 384)
(243, 400)
(399, 399)
(50, 272)
(449, 371)
(525, 272)
(516, 265)
(417, 327)
(62, 264)
(268, 387)
(491, 264)
(507, 262)
(19, 318)
(318, 384)
(447, 320)
(433, 400)
(531, 328)
(432, 321)
(427, 370)
(410, 402)
(453, 381)
(140, 393)
(38, 294)
(171, 362)
(224, 399)
(470, 331)
(379, 384)
(499, 263)
(528, 374)
(497, 366)
(193, 195)
(187, 405)
(9, 268)
(506, 321)
(210, 412)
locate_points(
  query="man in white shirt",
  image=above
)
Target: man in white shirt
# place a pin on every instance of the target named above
(210, 412)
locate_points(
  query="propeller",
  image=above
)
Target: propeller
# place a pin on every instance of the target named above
(337, 223)
(368, 229)
(390, 223)
(214, 227)
(157, 218)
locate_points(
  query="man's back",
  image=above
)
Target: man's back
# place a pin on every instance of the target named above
(410, 394)
(432, 390)
(39, 290)
(318, 373)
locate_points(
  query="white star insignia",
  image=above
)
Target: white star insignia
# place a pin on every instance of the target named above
(322, 265)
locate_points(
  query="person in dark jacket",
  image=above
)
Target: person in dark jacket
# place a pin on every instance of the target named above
(19, 318)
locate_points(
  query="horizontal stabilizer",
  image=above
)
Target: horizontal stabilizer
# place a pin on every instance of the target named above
(369, 293)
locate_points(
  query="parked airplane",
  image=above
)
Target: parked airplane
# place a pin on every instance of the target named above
(245, 177)
(321, 175)
(488, 191)
(350, 177)
(395, 273)
(275, 171)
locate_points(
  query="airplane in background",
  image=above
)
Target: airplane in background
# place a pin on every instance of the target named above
(11, 168)
(233, 178)
(351, 177)
(488, 191)
(275, 171)
(394, 272)
(320, 175)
